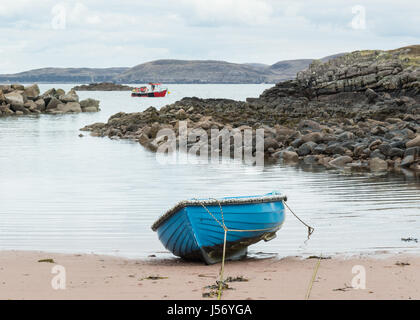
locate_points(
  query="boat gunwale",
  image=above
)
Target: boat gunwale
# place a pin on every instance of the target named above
(270, 197)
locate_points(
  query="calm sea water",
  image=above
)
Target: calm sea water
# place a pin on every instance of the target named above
(63, 193)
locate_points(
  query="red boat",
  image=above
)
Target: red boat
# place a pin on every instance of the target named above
(155, 90)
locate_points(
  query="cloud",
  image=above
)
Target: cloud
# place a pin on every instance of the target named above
(82, 14)
(10, 8)
(227, 12)
(125, 33)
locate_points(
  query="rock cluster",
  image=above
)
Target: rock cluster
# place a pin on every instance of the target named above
(363, 144)
(359, 111)
(103, 86)
(17, 99)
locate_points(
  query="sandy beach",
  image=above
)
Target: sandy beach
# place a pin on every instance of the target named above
(23, 276)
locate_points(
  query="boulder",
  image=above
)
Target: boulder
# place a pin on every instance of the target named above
(297, 142)
(143, 139)
(30, 105)
(59, 92)
(320, 149)
(398, 144)
(377, 154)
(379, 130)
(313, 136)
(340, 161)
(408, 160)
(373, 145)
(377, 164)
(14, 99)
(32, 92)
(414, 142)
(71, 96)
(54, 102)
(306, 148)
(20, 108)
(2, 97)
(17, 86)
(40, 103)
(345, 136)
(371, 95)
(396, 152)
(270, 143)
(5, 88)
(90, 109)
(89, 105)
(410, 156)
(393, 120)
(335, 148)
(69, 107)
(181, 114)
(415, 151)
(310, 159)
(5, 110)
(309, 124)
(50, 93)
(385, 148)
(289, 156)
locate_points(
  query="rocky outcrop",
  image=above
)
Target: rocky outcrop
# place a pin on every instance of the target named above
(19, 100)
(360, 111)
(395, 71)
(103, 86)
(354, 82)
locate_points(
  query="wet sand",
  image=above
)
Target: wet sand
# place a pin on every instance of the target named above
(104, 277)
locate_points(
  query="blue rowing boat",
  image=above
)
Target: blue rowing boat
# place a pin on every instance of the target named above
(195, 229)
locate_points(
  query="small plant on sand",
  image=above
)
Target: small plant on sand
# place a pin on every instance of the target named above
(153, 278)
(47, 260)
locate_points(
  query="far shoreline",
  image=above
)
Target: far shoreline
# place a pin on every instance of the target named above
(28, 275)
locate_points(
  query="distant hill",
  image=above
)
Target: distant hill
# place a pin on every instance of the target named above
(170, 71)
(331, 57)
(195, 71)
(287, 69)
(63, 75)
(259, 66)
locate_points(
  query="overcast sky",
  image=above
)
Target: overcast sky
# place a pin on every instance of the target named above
(93, 33)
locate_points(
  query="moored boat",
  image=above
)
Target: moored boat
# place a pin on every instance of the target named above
(155, 90)
(195, 229)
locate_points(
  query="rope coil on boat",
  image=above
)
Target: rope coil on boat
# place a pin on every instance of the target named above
(226, 229)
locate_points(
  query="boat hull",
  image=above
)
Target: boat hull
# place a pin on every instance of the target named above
(149, 94)
(194, 234)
